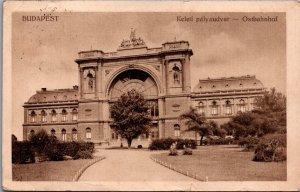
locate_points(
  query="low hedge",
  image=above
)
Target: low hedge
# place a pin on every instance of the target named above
(165, 143)
(271, 147)
(219, 141)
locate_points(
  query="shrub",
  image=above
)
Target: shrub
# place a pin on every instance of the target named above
(54, 151)
(165, 143)
(22, 152)
(249, 143)
(272, 147)
(186, 142)
(187, 151)
(173, 150)
(85, 154)
(218, 141)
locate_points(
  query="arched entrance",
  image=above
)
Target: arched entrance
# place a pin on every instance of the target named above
(142, 82)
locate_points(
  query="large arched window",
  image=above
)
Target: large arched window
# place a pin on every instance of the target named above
(228, 108)
(88, 133)
(74, 134)
(64, 135)
(74, 115)
(64, 115)
(214, 108)
(53, 115)
(177, 130)
(242, 106)
(43, 116)
(32, 117)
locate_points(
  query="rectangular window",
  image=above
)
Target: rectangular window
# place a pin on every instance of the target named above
(32, 119)
(64, 137)
(53, 118)
(214, 111)
(74, 117)
(177, 133)
(74, 136)
(64, 117)
(228, 110)
(43, 118)
(88, 135)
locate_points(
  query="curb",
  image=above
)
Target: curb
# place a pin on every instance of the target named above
(82, 169)
(169, 166)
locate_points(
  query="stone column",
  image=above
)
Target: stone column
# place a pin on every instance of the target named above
(106, 127)
(81, 82)
(187, 74)
(206, 109)
(165, 76)
(161, 116)
(96, 82)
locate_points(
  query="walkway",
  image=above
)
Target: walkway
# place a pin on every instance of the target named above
(130, 165)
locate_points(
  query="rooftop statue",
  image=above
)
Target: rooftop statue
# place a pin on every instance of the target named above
(133, 42)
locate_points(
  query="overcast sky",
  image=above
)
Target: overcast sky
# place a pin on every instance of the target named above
(44, 52)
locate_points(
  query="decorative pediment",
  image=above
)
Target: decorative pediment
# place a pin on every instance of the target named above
(132, 43)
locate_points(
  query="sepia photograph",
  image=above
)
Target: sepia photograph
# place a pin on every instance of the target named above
(109, 97)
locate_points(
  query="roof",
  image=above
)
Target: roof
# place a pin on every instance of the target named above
(56, 95)
(229, 83)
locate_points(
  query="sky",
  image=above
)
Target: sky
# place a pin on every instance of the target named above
(43, 53)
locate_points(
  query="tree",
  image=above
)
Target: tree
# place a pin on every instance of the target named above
(130, 115)
(39, 140)
(271, 101)
(198, 123)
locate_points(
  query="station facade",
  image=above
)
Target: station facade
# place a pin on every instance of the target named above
(161, 74)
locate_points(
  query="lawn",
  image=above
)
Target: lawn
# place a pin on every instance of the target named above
(225, 163)
(48, 170)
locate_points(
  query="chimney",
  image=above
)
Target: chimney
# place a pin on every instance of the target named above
(44, 89)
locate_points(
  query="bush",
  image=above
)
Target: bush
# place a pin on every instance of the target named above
(85, 154)
(54, 151)
(22, 152)
(173, 150)
(272, 147)
(219, 141)
(249, 143)
(187, 151)
(186, 142)
(165, 143)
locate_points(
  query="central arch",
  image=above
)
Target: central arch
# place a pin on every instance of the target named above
(133, 79)
(138, 70)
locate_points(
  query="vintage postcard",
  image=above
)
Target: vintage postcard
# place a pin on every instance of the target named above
(150, 95)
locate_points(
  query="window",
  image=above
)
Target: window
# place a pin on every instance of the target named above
(200, 107)
(32, 132)
(32, 117)
(52, 132)
(214, 108)
(88, 133)
(113, 135)
(64, 115)
(53, 115)
(177, 130)
(74, 134)
(74, 115)
(64, 134)
(228, 109)
(153, 108)
(242, 106)
(43, 114)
